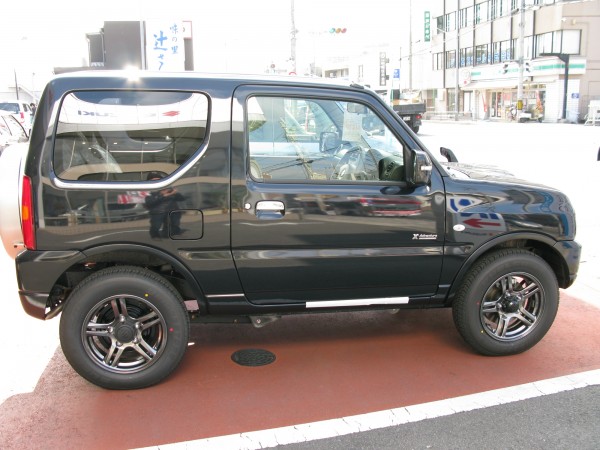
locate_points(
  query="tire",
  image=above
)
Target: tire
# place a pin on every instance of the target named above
(124, 328)
(491, 311)
(415, 129)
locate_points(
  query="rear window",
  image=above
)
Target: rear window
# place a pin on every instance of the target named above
(9, 106)
(123, 136)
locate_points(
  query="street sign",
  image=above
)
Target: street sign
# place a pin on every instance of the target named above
(397, 73)
(427, 30)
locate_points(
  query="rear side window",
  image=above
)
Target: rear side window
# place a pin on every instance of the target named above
(121, 136)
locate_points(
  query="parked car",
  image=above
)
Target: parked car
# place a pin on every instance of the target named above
(11, 131)
(252, 198)
(22, 111)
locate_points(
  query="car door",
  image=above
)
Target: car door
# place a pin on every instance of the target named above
(323, 214)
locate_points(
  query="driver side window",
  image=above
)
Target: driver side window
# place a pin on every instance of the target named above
(299, 140)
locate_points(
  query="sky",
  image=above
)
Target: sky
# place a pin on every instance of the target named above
(229, 35)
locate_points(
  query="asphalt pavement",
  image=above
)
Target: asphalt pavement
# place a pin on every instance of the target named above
(568, 420)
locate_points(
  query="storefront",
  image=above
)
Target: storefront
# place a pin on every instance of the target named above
(492, 95)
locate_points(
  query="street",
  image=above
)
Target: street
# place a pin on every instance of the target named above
(329, 368)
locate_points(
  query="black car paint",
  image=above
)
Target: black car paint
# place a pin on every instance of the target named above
(241, 265)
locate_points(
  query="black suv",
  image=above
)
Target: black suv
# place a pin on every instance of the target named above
(152, 201)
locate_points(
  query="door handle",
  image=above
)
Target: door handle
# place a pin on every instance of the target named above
(270, 210)
(270, 206)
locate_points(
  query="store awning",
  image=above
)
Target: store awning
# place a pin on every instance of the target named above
(490, 84)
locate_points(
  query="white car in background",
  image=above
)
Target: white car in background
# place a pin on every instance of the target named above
(20, 110)
(11, 131)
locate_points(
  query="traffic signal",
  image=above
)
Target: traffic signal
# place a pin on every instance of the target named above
(336, 30)
(505, 68)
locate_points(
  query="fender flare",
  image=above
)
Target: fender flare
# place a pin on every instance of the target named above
(546, 240)
(177, 264)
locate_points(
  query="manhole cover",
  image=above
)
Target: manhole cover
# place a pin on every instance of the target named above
(253, 357)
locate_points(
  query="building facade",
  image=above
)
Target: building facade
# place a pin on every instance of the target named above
(494, 59)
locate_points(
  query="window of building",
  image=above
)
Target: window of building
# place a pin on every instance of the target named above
(482, 12)
(450, 21)
(319, 140)
(122, 136)
(466, 56)
(506, 51)
(482, 54)
(440, 24)
(438, 61)
(495, 52)
(571, 42)
(465, 17)
(494, 9)
(499, 8)
(450, 59)
(562, 41)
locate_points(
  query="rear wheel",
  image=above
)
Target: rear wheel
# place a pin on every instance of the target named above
(415, 129)
(124, 328)
(507, 302)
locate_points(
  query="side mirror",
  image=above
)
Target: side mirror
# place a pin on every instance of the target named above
(448, 154)
(329, 141)
(418, 168)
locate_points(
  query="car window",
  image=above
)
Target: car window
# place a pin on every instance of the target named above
(15, 128)
(126, 135)
(10, 106)
(312, 139)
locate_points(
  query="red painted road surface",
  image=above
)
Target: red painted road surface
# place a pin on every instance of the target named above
(327, 366)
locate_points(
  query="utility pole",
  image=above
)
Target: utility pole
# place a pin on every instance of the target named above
(293, 40)
(521, 58)
(410, 50)
(16, 83)
(457, 62)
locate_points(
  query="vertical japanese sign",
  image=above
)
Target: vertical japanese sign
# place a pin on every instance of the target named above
(427, 30)
(382, 69)
(164, 45)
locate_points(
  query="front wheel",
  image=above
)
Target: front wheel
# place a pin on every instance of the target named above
(507, 303)
(124, 328)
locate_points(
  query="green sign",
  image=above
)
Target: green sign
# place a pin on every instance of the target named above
(427, 32)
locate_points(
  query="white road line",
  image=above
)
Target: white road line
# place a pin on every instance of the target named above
(392, 417)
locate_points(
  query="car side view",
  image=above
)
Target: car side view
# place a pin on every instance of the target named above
(146, 204)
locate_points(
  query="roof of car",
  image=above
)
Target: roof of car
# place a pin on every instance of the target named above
(258, 78)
